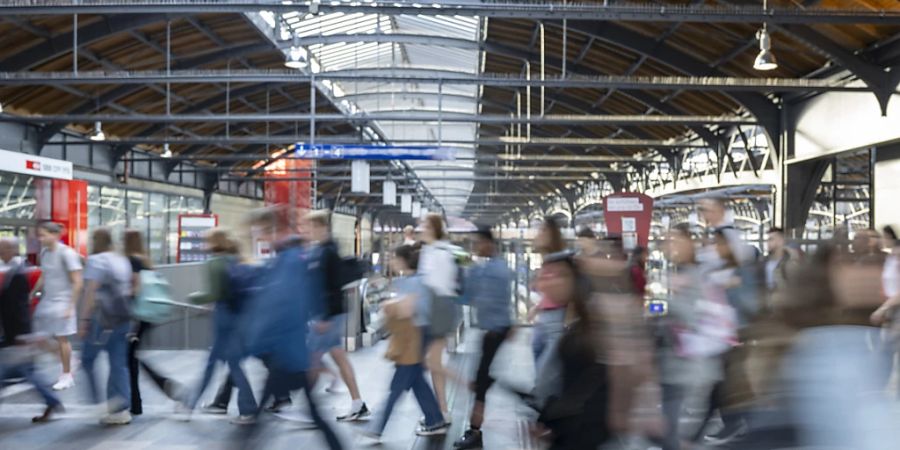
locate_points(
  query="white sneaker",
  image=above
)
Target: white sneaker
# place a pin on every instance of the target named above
(295, 415)
(119, 418)
(244, 420)
(65, 381)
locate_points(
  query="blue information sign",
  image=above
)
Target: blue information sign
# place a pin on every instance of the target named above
(379, 152)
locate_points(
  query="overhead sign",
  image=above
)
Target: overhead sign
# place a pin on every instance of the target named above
(624, 204)
(18, 162)
(375, 152)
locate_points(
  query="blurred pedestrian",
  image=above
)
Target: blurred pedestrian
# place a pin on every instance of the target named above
(106, 320)
(488, 291)
(439, 270)
(405, 346)
(637, 268)
(227, 294)
(328, 331)
(549, 314)
(585, 241)
(17, 344)
(134, 250)
(689, 349)
(60, 286)
(409, 235)
(288, 297)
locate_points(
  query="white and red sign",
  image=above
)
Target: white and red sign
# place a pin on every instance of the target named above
(18, 162)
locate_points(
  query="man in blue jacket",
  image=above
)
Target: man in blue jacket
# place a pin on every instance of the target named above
(289, 294)
(487, 289)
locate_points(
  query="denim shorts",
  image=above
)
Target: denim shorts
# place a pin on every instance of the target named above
(331, 338)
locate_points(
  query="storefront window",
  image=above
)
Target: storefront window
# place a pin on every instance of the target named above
(157, 221)
(16, 196)
(113, 209)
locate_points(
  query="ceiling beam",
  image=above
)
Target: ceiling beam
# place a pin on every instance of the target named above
(716, 82)
(393, 116)
(538, 10)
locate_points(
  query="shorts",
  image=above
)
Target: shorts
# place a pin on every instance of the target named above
(50, 318)
(331, 338)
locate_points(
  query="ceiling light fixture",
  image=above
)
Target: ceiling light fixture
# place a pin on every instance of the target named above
(167, 153)
(765, 60)
(295, 58)
(97, 134)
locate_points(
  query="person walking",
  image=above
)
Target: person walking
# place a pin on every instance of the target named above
(438, 268)
(549, 314)
(226, 293)
(105, 323)
(288, 297)
(328, 332)
(60, 286)
(133, 242)
(488, 290)
(409, 235)
(16, 355)
(405, 347)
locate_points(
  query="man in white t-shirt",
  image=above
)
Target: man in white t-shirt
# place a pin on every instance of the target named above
(409, 235)
(60, 285)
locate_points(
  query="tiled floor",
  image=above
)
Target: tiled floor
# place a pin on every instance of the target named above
(158, 430)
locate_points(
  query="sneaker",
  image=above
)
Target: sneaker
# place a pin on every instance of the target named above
(214, 409)
(437, 430)
(296, 415)
(334, 387)
(118, 418)
(65, 381)
(446, 420)
(470, 439)
(359, 415)
(244, 420)
(278, 406)
(183, 412)
(368, 434)
(727, 434)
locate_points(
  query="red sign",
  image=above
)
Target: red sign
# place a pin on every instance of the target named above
(32, 165)
(628, 214)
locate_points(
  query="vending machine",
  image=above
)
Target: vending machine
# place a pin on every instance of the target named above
(192, 230)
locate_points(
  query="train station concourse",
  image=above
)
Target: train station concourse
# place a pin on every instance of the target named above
(555, 224)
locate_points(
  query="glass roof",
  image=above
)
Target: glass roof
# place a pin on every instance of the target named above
(455, 48)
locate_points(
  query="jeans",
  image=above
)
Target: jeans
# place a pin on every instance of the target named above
(408, 377)
(673, 396)
(236, 377)
(282, 381)
(26, 371)
(115, 342)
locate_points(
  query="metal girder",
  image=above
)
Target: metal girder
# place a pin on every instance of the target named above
(480, 157)
(61, 44)
(457, 178)
(762, 108)
(126, 90)
(355, 139)
(642, 97)
(716, 83)
(872, 75)
(536, 10)
(476, 169)
(396, 38)
(393, 116)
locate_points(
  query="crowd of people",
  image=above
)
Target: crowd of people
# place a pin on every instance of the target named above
(752, 348)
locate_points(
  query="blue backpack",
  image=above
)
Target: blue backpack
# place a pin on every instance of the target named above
(154, 303)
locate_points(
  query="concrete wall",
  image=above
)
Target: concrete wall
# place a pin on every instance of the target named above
(841, 121)
(887, 187)
(231, 210)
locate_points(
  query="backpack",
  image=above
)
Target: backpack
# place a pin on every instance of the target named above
(352, 270)
(154, 303)
(114, 304)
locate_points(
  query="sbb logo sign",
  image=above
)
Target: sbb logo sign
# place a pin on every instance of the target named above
(32, 165)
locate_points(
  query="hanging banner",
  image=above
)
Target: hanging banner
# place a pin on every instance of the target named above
(628, 215)
(359, 177)
(406, 203)
(373, 152)
(389, 193)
